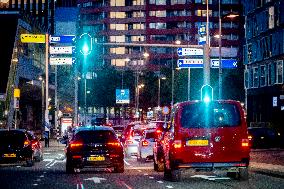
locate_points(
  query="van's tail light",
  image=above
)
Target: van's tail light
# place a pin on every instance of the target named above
(114, 144)
(26, 143)
(34, 144)
(145, 143)
(177, 144)
(76, 144)
(250, 137)
(245, 142)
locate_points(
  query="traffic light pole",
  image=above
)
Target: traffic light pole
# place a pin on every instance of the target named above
(46, 124)
(206, 59)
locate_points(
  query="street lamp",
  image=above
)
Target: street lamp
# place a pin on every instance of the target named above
(140, 86)
(159, 88)
(229, 15)
(177, 42)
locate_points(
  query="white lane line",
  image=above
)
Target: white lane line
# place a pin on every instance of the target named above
(44, 172)
(126, 162)
(159, 181)
(169, 186)
(127, 186)
(140, 168)
(46, 153)
(146, 174)
(151, 177)
(19, 166)
(139, 171)
(35, 184)
(38, 180)
(41, 176)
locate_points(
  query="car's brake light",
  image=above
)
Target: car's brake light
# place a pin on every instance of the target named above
(145, 143)
(177, 144)
(34, 143)
(26, 143)
(76, 157)
(245, 142)
(76, 144)
(158, 131)
(113, 155)
(115, 144)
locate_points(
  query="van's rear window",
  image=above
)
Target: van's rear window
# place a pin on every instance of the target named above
(201, 115)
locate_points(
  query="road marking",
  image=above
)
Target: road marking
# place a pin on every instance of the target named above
(95, 179)
(127, 186)
(151, 177)
(139, 171)
(19, 166)
(169, 186)
(41, 176)
(126, 162)
(46, 153)
(142, 168)
(35, 184)
(159, 181)
(145, 174)
(38, 180)
(44, 172)
(211, 178)
(80, 186)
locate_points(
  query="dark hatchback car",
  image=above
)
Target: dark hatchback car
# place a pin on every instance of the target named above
(95, 147)
(263, 137)
(15, 147)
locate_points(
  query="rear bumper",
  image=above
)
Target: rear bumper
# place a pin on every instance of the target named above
(218, 165)
(83, 162)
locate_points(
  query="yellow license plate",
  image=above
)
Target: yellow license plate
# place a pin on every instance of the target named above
(9, 155)
(197, 143)
(96, 158)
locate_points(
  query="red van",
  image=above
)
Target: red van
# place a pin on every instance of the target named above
(207, 136)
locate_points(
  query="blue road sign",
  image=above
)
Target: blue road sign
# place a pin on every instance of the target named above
(202, 40)
(122, 96)
(202, 30)
(190, 52)
(63, 39)
(190, 63)
(226, 63)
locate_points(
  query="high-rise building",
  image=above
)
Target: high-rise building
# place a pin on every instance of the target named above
(157, 22)
(263, 59)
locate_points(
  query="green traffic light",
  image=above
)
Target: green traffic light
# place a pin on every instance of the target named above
(85, 49)
(206, 93)
(85, 44)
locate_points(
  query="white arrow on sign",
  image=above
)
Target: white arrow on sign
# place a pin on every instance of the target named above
(96, 179)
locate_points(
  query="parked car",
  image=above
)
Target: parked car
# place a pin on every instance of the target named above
(263, 137)
(207, 136)
(36, 146)
(95, 147)
(15, 146)
(146, 144)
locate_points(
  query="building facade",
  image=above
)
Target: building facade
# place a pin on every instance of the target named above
(263, 59)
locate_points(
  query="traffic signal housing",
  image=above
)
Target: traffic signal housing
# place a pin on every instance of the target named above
(206, 93)
(85, 44)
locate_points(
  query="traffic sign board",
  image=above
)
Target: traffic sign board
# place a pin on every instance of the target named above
(202, 40)
(189, 51)
(122, 96)
(32, 38)
(62, 50)
(190, 63)
(62, 39)
(202, 30)
(61, 61)
(226, 63)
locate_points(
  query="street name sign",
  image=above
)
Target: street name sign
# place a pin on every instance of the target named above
(122, 96)
(32, 38)
(62, 39)
(61, 61)
(190, 63)
(202, 40)
(202, 30)
(226, 63)
(189, 51)
(62, 50)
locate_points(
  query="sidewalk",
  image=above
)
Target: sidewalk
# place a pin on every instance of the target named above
(269, 169)
(53, 146)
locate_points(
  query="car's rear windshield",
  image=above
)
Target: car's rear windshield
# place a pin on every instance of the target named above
(96, 136)
(12, 137)
(150, 135)
(201, 115)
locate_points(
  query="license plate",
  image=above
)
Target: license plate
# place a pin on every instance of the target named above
(96, 158)
(197, 142)
(9, 155)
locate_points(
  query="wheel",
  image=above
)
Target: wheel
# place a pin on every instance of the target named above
(69, 167)
(158, 166)
(172, 174)
(243, 174)
(119, 168)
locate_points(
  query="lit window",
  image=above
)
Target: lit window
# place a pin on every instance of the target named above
(117, 38)
(137, 38)
(117, 15)
(117, 3)
(118, 62)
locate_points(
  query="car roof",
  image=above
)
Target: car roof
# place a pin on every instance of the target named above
(93, 128)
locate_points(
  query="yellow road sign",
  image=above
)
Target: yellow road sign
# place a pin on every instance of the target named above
(32, 38)
(17, 93)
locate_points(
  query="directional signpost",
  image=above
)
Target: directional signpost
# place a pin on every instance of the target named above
(62, 50)
(32, 38)
(190, 63)
(226, 63)
(189, 51)
(122, 96)
(61, 61)
(62, 39)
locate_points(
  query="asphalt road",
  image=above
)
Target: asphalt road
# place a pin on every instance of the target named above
(50, 174)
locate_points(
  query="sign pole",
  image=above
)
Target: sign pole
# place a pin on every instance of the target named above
(46, 125)
(188, 85)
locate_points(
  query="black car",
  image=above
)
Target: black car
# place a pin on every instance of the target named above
(15, 146)
(263, 137)
(94, 146)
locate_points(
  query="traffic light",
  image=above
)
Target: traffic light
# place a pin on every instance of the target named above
(85, 44)
(206, 93)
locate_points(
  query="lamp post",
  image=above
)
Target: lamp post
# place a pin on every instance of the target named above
(140, 86)
(177, 42)
(159, 88)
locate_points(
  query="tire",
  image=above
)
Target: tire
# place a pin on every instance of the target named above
(173, 175)
(119, 168)
(243, 174)
(69, 167)
(158, 166)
